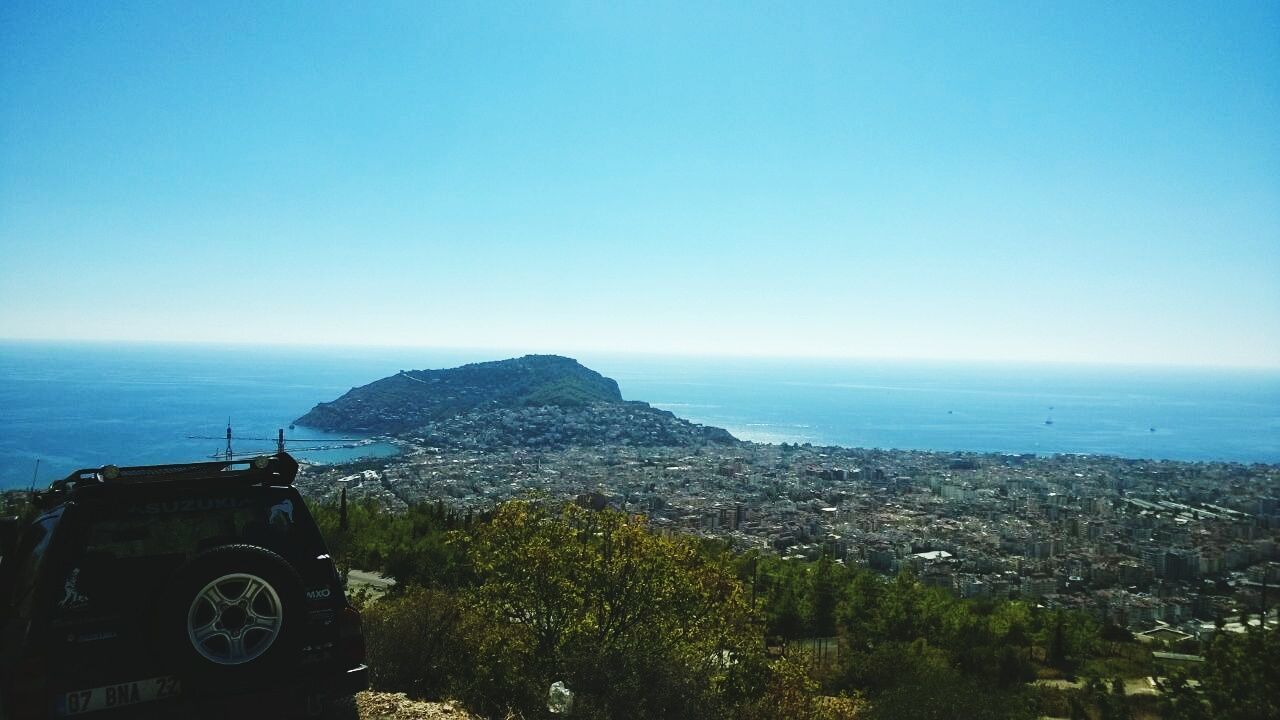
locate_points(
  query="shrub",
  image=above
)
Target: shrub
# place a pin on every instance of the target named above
(417, 643)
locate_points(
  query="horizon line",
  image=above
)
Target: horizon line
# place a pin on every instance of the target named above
(673, 353)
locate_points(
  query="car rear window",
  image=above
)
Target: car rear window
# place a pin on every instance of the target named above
(185, 526)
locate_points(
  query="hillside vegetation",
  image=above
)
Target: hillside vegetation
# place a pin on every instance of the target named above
(492, 609)
(411, 399)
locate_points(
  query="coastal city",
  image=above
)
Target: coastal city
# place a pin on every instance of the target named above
(1173, 550)
(640, 361)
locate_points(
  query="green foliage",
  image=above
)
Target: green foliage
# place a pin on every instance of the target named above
(1106, 699)
(800, 599)
(409, 400)
(1114, 633)
(414, 546)
(918, 681)
(568, 392)
(901, 630)
(949, 695)
(492, 609)
(783, 588)
(791, 694)
(636, 624)
(1240, 679)
(1069, 639)
(1118, 706)
(418, 642)
(1180, 701)
(1134, 661)
(820, 610)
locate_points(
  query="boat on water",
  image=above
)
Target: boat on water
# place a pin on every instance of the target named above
(1049, 421)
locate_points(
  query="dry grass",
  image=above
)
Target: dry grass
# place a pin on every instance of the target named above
(396, 706)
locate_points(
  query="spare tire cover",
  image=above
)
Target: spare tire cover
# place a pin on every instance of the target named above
(232, 614)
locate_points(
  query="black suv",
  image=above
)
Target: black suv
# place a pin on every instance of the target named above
(199, 590)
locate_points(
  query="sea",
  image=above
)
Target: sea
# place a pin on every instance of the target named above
(66, 406)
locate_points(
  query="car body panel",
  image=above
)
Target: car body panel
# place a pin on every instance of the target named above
(86, 577)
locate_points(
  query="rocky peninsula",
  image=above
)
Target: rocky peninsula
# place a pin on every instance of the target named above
(539, 402)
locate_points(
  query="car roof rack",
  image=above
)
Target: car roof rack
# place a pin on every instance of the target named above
(278, 469)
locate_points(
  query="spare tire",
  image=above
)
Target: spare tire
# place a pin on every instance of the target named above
(233, 615)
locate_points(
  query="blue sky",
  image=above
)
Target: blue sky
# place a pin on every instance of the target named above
(1014, 181)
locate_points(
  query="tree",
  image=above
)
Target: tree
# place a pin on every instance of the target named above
(1239, 678)
(931, 690)
(783, 616)
(344, 523)
(1179, 701)
(791, 694)
(417, 642)
(1118, 705)
(856, 612)
(637, 625)
(1095, 694)
(821, 605)
(899, 615)
(1056, 651)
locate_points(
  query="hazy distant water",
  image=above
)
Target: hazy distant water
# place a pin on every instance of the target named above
(84, 405)
(1127, 411)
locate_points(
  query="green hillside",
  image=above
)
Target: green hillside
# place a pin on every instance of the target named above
(413, 398)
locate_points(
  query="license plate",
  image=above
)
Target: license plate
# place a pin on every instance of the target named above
(122, 694)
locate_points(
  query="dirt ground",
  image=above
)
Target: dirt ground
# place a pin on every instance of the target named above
(395, 706)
